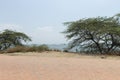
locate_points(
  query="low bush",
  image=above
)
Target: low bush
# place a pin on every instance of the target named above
(39, 48)
(17, 49)
(33, 48)
(43, 48)
(65, 50)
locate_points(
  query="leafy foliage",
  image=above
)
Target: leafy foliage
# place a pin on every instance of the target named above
(95, 35)
(10, 38)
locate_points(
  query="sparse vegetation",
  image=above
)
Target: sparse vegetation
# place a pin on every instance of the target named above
(33, 48)
(17, 49)
(65, 50)
(42, 48)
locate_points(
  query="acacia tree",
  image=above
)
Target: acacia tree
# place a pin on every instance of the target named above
(9, 38)
(95, 35)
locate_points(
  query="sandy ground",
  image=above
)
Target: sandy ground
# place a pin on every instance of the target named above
(58, 68)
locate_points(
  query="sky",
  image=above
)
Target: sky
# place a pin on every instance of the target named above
(43, 20)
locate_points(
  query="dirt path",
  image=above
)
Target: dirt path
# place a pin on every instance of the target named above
(51, 68)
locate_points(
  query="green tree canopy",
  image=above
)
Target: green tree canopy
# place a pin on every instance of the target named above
(95, 35)
(9, 38)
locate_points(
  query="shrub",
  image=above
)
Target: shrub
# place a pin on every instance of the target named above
(65, 50)
(42, 48)
(33, 48)
(17, 49)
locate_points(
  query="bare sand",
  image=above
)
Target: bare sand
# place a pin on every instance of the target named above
(57, 66)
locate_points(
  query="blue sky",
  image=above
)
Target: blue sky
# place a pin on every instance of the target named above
(43, 20)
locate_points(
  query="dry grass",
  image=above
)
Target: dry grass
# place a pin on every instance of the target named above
(62, 54)
(24, 49)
